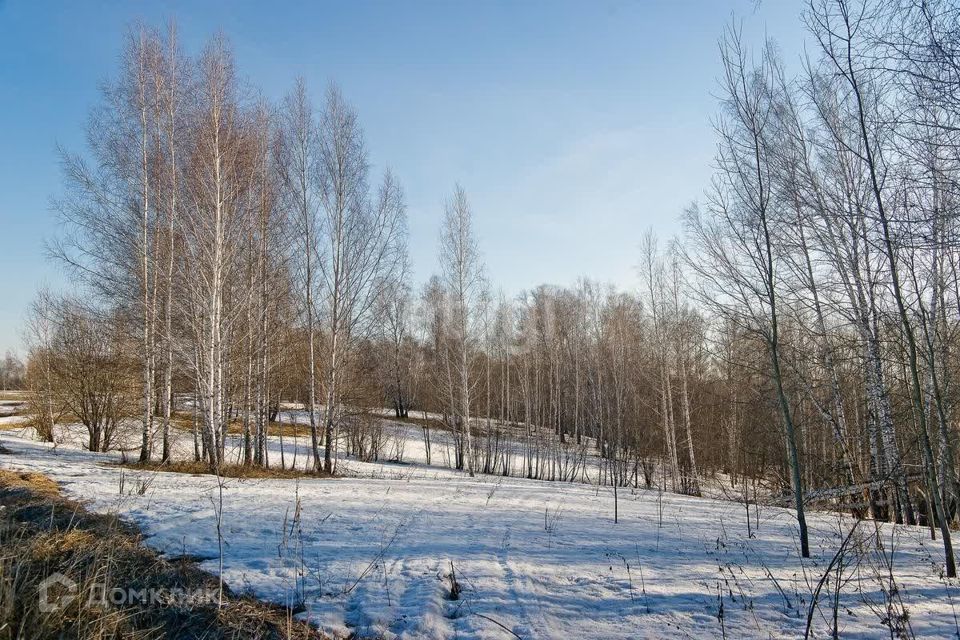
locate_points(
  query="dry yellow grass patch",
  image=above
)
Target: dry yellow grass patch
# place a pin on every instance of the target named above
(36, 482)
(54, 543)
(184, 422)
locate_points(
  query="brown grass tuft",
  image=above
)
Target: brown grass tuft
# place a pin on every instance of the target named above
(49, 545)
(36, 482)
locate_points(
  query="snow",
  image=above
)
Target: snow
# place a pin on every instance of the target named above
(371, 553)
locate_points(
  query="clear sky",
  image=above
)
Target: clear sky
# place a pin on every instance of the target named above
(572, 126)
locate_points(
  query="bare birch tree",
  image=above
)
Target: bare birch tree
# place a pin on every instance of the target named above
(463, 277)
(361, 235)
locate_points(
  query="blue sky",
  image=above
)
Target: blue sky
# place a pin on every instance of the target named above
(572, 126)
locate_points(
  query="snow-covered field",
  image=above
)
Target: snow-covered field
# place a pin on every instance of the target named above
(371, 553)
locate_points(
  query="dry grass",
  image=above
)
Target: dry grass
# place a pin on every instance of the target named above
(43, 533)
(184, 422)
(35, 482)
(226, 471)
(478, 427)
(274, 429)
(48, 545)
(67, 418)
(431, 423)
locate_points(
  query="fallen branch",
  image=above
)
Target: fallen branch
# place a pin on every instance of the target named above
(499, 624)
